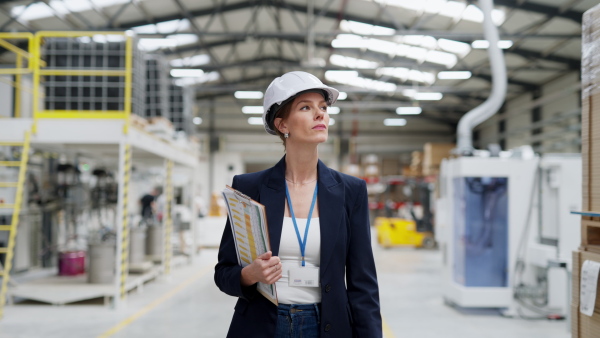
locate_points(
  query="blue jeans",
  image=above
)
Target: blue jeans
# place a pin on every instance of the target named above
(298, 321)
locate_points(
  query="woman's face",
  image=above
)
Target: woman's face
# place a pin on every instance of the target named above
(308, 121)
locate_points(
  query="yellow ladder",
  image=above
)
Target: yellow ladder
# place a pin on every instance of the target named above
(16, 209)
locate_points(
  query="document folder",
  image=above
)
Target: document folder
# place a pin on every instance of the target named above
(248, 220)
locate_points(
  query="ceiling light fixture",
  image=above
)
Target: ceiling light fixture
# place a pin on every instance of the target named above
(255, 121)
(408, 110)
(252, 109)
(333, 110)
(248, 95)
(394, 122)
(454, 75)
(428, 96)
(187, 72)
(485, 44)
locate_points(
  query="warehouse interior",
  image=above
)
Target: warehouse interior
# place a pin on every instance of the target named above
(471, 122)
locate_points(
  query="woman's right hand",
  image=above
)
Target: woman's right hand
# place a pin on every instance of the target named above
(266, 269)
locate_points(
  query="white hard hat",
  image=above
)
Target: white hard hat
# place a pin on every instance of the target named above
(285, 88)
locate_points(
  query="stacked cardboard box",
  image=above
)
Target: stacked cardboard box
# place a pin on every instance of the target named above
(416, 165)
(584, 326)
(590, 110)
(138, 121)
(590, 234)
(434, 153)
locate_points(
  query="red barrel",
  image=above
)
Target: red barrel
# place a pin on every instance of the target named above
(71, 263)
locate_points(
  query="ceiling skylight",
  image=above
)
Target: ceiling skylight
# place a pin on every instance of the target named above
(406, 74)
(191, 61)
(350, 62)
(452, 9)
(424, 51)
(352, 78)
(40, 10)
(171, 41)
(165, 27)
(364, 28)
(190, 81)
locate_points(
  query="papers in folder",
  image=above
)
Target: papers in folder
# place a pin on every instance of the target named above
(248, 221)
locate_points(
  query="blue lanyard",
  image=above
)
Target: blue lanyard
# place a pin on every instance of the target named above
(312, 207)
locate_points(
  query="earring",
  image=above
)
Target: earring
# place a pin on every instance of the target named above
(286, 135)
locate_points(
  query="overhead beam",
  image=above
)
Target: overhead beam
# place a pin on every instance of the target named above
(196, 13)
(541, 9)
(324, 45)
(572, 63)
(462, 36)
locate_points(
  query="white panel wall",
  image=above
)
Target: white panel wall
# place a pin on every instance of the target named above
(560, 134)
(567, 130)
(516, 122)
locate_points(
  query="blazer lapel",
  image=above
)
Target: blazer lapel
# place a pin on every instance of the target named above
(331, 208)
(272, 196)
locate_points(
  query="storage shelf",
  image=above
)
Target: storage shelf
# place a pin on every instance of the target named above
(99, 136)
(586, 213)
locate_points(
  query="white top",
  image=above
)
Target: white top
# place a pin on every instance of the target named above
(291, 257)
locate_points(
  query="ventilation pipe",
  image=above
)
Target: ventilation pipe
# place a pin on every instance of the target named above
(499, 83)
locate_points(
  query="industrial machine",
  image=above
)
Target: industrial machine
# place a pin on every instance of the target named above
(506, 231)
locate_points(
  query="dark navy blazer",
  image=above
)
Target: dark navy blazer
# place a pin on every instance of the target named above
(350, 310)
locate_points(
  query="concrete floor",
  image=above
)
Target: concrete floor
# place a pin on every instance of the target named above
(188, 304)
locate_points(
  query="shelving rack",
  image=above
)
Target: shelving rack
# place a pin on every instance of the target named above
(93, 82)
(157, 86)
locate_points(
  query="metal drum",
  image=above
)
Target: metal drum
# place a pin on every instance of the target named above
(155, 242)
(102, 258)
(137, 245)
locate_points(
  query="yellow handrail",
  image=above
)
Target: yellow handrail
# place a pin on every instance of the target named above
(39, 71)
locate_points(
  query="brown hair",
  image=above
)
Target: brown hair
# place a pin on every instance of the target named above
(283, 113)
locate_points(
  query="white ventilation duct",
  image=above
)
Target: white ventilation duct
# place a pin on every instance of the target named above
(499, 83)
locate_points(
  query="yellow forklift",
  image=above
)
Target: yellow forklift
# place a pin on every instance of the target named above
(394, 231)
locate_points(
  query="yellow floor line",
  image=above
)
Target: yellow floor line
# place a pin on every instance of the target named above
(154, 304)
(387, 332)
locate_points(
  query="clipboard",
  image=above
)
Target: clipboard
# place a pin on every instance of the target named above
(248, 220)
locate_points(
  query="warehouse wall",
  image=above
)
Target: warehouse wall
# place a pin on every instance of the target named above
(559, 125)
(567, 132)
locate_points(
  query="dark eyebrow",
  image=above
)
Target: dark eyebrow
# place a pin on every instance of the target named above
(309, 101)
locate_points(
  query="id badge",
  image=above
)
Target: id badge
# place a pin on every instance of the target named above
(305, 276)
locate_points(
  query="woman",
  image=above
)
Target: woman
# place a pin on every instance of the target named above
(321, 260)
